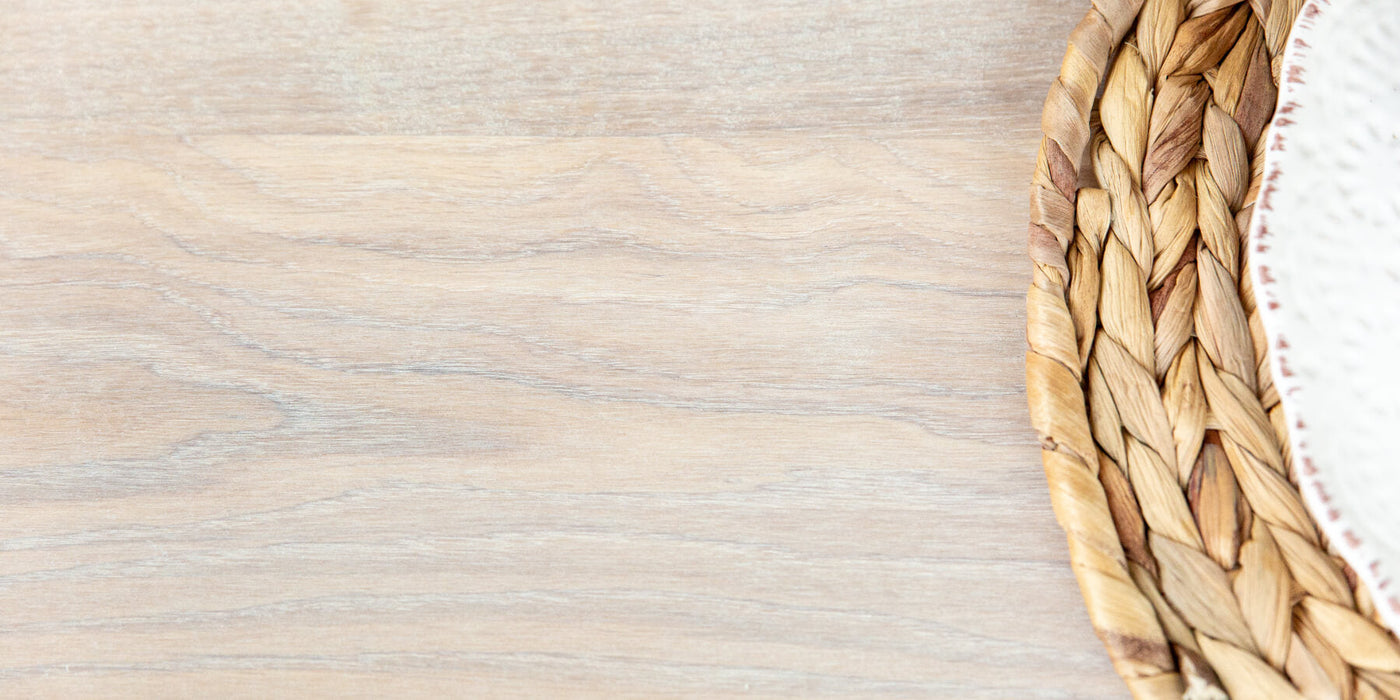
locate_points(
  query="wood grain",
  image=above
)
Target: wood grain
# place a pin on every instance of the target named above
(524, 349)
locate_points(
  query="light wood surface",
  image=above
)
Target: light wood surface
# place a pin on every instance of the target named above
(525, 349)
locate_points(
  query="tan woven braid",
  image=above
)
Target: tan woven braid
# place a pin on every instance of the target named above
(1163, 440)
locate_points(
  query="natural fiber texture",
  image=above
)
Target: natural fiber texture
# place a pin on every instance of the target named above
(1162, 436)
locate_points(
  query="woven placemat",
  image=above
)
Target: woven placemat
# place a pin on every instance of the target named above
(1148, 381)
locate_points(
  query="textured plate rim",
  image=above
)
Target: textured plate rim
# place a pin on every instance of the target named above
(1316, 484)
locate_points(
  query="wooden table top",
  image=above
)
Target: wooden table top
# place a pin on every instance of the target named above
(547, 349)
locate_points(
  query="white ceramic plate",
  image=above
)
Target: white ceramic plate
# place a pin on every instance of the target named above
(1325, 250)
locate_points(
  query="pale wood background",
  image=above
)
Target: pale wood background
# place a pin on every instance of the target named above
(525, 348)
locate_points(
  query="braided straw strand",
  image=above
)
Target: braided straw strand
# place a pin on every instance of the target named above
(1162, 437)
